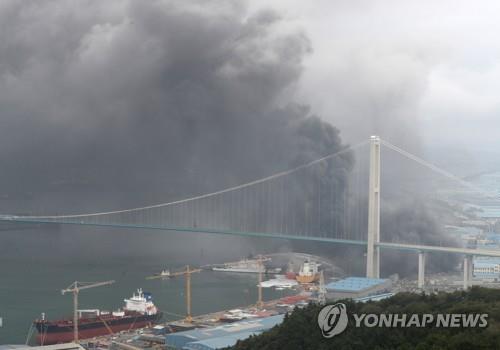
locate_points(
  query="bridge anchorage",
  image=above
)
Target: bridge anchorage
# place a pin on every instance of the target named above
(310, 203)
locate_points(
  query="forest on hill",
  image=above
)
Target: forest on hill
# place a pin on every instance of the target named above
(300, 330)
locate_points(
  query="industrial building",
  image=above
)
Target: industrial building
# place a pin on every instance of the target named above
(357, 287)
(221, 336)
(486, 268)
(376, 297)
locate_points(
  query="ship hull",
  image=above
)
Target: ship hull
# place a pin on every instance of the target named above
(54, 333)
(307, 279)
(238, 270)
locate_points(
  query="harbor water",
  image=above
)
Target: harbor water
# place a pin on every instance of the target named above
(36, 263)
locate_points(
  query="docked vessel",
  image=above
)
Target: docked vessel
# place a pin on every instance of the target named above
(246, 266)
(139, 311)
(308, 272)
(163, 273)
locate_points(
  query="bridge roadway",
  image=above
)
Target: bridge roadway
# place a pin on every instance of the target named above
(384, 245)
(421, 250)
(427, 248)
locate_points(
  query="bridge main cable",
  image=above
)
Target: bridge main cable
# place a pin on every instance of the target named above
(206, 195)
(439, 170)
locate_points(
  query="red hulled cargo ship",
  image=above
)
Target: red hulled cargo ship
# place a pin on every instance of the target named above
(138, 312)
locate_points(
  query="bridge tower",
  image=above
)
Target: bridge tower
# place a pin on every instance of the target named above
(373, 251)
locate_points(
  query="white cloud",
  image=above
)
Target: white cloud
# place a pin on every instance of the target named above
(431, 65)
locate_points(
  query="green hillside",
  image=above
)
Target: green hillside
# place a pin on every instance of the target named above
(300, 329)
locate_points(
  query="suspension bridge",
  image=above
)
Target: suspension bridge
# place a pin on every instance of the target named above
(326, 200)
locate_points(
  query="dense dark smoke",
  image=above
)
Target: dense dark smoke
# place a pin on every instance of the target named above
(148, 99)
(126, 103)
(369, 79)
(413, 223)
(411, 213)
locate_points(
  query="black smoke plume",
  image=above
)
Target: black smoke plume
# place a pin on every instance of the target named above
(118, 104)
(127, 103)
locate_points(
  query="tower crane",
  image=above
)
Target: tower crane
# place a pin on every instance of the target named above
(260, 303)
(187, 273)
(75, 288)
(321, 289)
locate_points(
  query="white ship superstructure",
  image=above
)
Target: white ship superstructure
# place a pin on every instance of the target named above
(244, 266)
(309, 272)
(141, 303)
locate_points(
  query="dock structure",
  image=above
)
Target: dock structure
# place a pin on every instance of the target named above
(65, 346)
(257, 320)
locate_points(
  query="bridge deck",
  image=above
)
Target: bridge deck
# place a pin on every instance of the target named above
(383, 245)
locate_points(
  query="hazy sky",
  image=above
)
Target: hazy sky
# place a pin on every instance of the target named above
(431, 67)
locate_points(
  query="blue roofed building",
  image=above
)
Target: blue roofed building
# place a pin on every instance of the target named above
(357, 287)
(221, 336)
(218, 343)
(486, 268)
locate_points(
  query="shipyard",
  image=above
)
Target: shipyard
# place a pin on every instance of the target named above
(139, 323)
(302, 278)
(306, 279)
